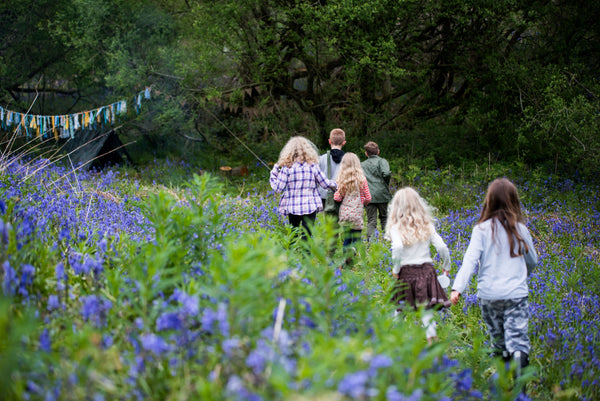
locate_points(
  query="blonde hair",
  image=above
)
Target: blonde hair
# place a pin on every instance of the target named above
(350, 176)
(411, 215)
(297, 149)
(337, 137)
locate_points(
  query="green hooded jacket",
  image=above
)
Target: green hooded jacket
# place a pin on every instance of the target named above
(378, 174)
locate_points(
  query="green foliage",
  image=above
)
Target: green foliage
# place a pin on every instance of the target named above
(561, 128)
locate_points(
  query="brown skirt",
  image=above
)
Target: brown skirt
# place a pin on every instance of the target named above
(417, 286)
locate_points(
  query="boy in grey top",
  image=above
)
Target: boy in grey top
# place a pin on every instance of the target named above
(378, 173)
(337, 139)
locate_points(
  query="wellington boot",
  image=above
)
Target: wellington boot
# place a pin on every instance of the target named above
(521, 361)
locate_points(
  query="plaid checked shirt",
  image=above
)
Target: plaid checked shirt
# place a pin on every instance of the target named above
(299, 185)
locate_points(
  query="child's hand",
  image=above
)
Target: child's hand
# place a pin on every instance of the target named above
(395, 275)
(454, 295)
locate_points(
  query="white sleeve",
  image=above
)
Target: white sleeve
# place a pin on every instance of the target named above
(442, 250)
(470, 261)
(531, 254)
(397, 248)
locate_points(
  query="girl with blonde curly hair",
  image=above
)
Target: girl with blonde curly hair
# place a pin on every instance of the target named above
(411, 230)
(297, 176)
(353, 193)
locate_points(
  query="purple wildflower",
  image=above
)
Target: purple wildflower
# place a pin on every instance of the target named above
(9, 281)
(229, 345)
(354, 385)
(189, 303)
(95, 309)
(53, 302)
(45, 344)
(235, 389)
(169, 321)
(155, 344)
(61, 276)
(378, 362)
(4, 232)
(27, 274)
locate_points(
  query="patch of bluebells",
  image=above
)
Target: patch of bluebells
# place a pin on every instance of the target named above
(79, 211)
(88, 215)
(95, 309)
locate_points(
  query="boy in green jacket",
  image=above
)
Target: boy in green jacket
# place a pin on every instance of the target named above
(378, 173)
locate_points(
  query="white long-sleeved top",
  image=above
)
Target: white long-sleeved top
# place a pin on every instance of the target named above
(500, 276)
(419, 253)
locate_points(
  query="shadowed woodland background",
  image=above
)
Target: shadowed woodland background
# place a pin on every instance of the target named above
(435, 82)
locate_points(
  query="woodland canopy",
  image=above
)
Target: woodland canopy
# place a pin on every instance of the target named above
(445, 81)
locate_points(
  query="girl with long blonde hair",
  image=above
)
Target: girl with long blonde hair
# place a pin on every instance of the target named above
(297, 176)
(353, 193)
(410, 227)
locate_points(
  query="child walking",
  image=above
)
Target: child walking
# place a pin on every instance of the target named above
(378, 173)
(297, 175)
(503, 248)
(411, 230)
(332, 158)
(353, 193)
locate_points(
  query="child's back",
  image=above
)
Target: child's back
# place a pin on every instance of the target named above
(500, 275)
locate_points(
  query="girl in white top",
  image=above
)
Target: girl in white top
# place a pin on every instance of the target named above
(503, 248)
(410, 228)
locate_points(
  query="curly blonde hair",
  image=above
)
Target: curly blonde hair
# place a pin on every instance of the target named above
(297, 149)
(350, 176)
(411, 215)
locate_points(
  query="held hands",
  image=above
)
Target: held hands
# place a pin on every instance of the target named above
(454, 295)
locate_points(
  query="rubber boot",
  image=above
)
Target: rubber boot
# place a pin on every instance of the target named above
(522, 361)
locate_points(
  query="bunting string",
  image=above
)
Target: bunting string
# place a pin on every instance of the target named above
(65, 126)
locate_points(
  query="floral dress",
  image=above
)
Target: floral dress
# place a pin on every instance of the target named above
(351, 209)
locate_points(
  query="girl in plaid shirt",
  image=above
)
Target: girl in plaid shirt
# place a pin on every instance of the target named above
(297, 175)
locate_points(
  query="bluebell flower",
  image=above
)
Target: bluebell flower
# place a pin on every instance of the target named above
(259, 356)
(229, 345)
(64, 234)
(53, 302)
(9, 281)
(60, 274)
(2, 207)
(107, 341)
(27, 274)
(392, 394)
(45, 343)
(378, 362)
(354, 385)
(169, 321)
(209, 317)
(463, 380)
(417, 395)
(102, 244)
(189, 303)
(95, 309)
(4, 232)
(235, 389)
(155, 344)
